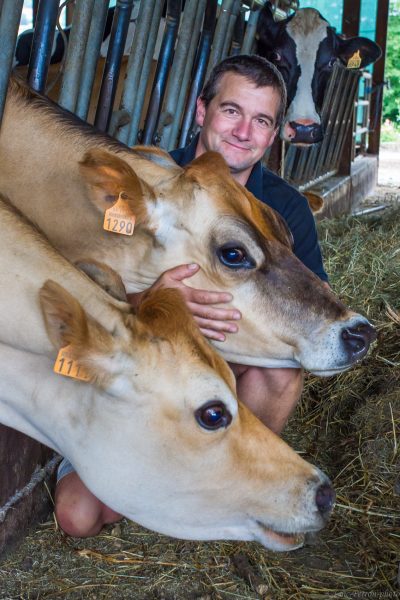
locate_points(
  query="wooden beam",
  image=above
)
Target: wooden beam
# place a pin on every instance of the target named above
(351, 17)
(378, 76)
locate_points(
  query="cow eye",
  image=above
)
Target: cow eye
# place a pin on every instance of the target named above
(331, 63)
(235, 257)
(213, 415)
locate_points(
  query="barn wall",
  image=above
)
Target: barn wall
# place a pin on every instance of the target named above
(25, 466)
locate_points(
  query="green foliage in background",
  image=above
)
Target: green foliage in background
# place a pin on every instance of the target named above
(391, 99)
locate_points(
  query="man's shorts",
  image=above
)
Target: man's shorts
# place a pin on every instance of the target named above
(64, 468)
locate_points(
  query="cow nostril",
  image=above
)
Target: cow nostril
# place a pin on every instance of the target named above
(325, 498)
(358, 338)
(307, 133)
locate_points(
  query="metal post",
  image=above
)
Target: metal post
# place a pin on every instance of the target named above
(75, 54)
(229, 31)
(92, 52)
(119, 31)
(251, 28)
(199, 69)
(177, 71)
(146, 19)
(9, 21)
(43, 36)
(220, 33)
(174, 8)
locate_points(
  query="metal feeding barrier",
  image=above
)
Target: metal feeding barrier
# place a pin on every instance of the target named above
(150, 96)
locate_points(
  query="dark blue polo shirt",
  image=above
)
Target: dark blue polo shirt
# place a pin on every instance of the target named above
(286, 200)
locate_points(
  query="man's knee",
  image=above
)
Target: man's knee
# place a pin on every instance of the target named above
(77, 511)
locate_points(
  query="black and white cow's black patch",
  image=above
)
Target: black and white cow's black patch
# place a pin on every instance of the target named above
(304, 47)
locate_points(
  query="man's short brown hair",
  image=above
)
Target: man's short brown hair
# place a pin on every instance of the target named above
(256, 69)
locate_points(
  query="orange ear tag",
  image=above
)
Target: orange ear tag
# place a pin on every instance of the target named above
(354, 61)
(68, 366)
(119, 218)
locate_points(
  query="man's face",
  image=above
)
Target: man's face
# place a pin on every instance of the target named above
(239, 122)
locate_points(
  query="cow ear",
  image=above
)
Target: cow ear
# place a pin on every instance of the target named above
(362, 50)
(268, 29)
(107, 176)
(105, 277)
(206, 162)
(89, 343)
(315, 202)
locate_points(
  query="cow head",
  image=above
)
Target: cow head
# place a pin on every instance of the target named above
(201, 214)
(304, 47)
(159, 413)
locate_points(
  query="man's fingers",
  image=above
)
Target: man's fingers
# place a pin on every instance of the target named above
(181, 272)
(205, 297)
(213, 335)
(212, 313)
(216, 326)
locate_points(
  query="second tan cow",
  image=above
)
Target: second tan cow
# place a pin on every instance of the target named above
(64, 176)
(176, 453)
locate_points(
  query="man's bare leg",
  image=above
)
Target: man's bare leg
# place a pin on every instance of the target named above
(79, 513)
(271, 394)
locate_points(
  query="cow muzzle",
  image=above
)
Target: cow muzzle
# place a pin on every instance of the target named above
(299, 132)
(318, 505)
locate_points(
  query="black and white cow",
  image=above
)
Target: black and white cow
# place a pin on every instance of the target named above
(304, 47)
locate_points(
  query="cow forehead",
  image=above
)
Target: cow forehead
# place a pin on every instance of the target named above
(233, 200)
(307, 22)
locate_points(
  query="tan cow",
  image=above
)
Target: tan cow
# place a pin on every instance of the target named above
(174, 452)
(64, 176)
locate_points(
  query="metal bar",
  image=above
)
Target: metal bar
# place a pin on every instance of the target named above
(186, 76)
(90, 60)
(347, 117)
(174, 8)
(378, 76)
(177, 71)
(129, 103)
(331, 115)
(231, 26)
(220, 33)
(9, 22)
(119, 31)
(75, 54)
(42, 44)
(238, 33)
(199, 70)
(249, 36)
(146, 70)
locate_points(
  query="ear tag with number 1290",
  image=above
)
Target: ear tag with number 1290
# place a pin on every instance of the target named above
(119, 218)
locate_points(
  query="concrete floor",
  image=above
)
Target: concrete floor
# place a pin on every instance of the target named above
(389, 165)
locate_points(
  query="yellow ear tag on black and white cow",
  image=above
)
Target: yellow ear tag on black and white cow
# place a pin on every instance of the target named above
(354, 61)
(66, 365)
(119, 218)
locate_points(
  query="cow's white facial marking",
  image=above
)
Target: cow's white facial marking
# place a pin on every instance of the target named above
(307, 40)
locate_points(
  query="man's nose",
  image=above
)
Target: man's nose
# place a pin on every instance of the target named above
(242, 129)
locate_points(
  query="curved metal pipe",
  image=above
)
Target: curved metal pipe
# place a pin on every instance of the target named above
(200, 68)
(174, 9)
(119, 31)
(42, 44)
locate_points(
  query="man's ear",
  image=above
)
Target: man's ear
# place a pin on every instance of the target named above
(200, 112)
(67, 324)
(107, 176)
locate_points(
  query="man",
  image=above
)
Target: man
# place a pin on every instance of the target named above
(239, 111)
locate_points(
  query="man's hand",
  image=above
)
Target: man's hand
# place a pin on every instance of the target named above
(213, 322)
